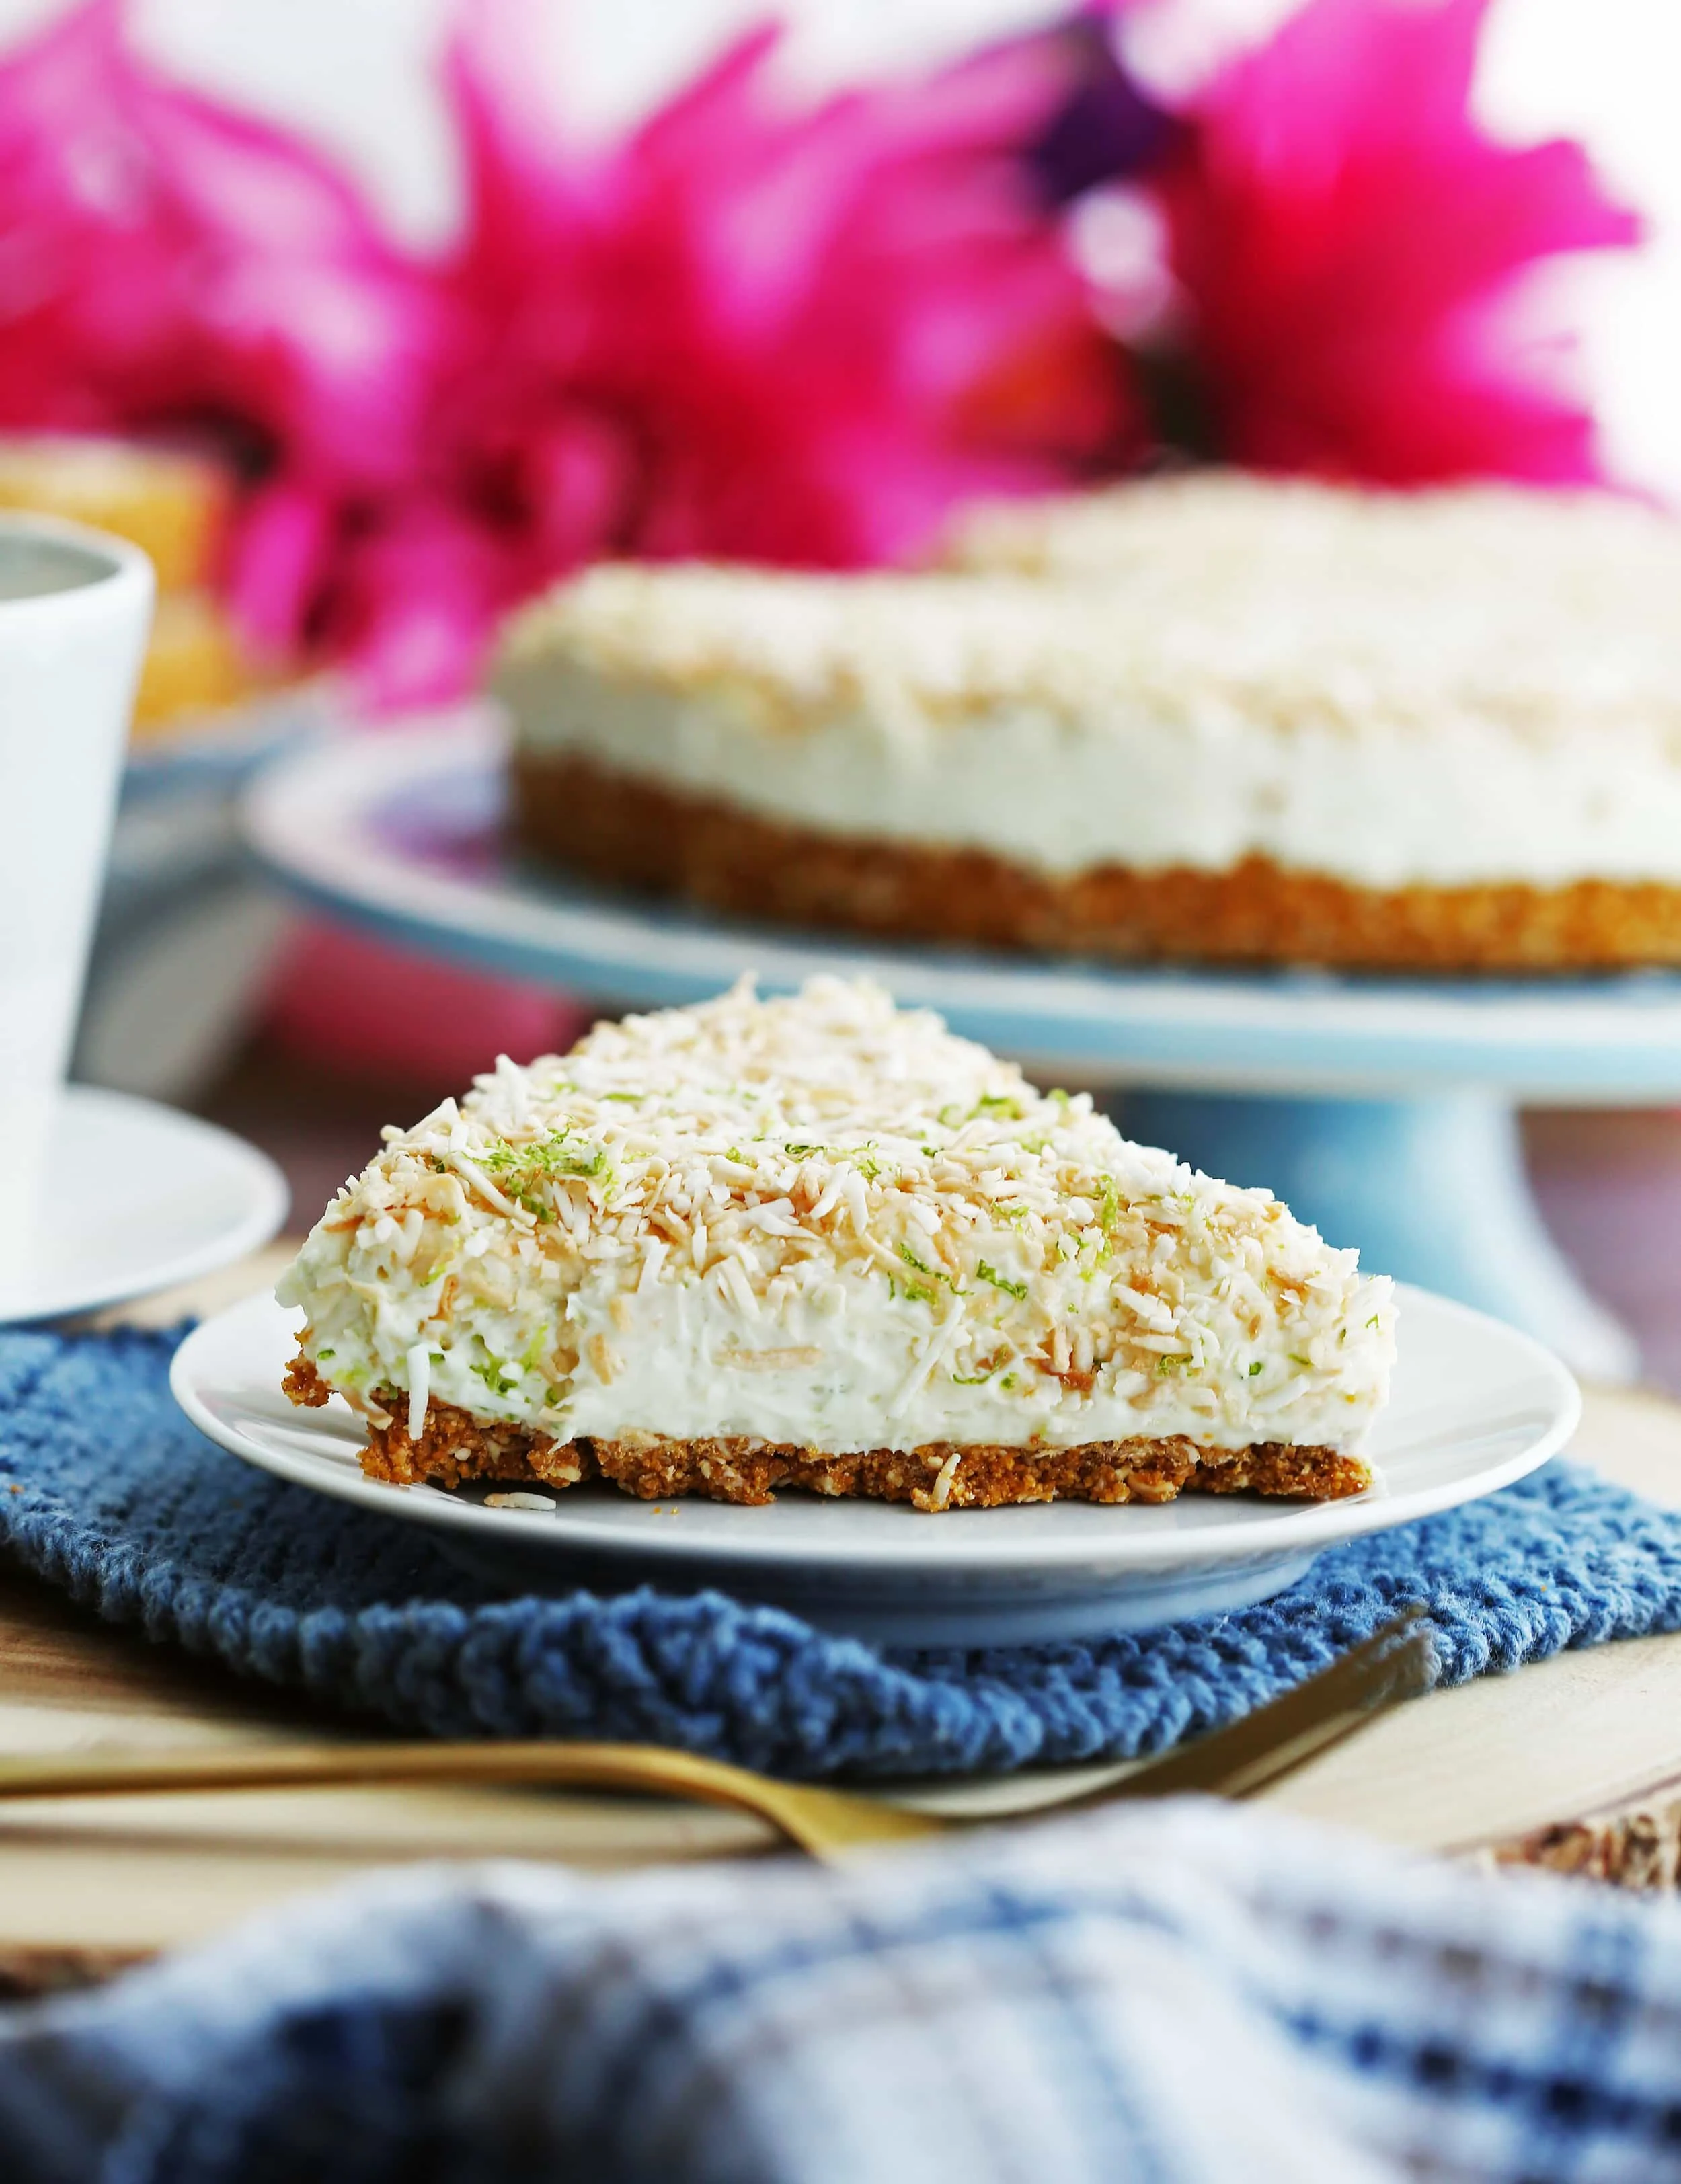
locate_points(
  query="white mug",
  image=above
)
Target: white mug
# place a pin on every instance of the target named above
(75, 610)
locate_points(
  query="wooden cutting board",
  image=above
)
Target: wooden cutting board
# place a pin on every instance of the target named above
(1586, 1733)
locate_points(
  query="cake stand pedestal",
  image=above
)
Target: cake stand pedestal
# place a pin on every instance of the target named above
(1382, 1110)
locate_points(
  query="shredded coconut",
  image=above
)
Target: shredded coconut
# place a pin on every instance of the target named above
(822, 1214)
(418, 1358)
(1293, 604)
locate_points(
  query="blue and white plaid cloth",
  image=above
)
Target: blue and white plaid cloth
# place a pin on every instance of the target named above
(1187, 1993)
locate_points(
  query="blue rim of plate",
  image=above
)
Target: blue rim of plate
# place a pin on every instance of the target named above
(397, 832)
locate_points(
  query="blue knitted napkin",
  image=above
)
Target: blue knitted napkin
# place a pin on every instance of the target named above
(107, 1490)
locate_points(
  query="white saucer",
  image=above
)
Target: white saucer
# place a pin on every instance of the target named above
(142, 1198)
(1475, 1405)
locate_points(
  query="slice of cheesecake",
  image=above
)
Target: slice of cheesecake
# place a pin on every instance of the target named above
(819, 1242)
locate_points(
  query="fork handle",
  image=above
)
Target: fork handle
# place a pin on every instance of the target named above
(818, 1820)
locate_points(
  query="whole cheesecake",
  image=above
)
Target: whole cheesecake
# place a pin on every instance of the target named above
(819, 1243)
(1213, 719)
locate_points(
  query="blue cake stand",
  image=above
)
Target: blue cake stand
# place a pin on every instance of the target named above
(1382, 1110)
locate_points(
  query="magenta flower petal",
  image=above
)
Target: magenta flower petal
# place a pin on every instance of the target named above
(754, 328)
(166, 262)
(278, 566)
(1348, 242)
(802, 333)
(415, 603)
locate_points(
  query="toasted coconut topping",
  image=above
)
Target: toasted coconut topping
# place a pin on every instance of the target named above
(1295, 606)
(826, 1220)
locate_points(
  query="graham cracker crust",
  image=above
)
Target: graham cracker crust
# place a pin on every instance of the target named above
(616, 827)
(454, 1447)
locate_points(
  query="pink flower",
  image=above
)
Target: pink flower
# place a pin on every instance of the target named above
(1348, 241)
(750, 331)
(165, 265)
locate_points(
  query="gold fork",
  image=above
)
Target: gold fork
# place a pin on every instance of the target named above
(1234, 1761)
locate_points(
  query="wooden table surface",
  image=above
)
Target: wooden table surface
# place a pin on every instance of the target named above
(1586, 1734)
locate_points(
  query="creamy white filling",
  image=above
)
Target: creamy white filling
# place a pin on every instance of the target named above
(1454, 800)
(854, 1365)
(883, 1377)
(678, 1364)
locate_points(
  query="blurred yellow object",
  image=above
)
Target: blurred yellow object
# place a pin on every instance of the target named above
(171, 503)
(174, 504)
(193, 665)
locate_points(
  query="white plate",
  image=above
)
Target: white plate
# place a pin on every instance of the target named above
(1475, 1405)
(142, 1198)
